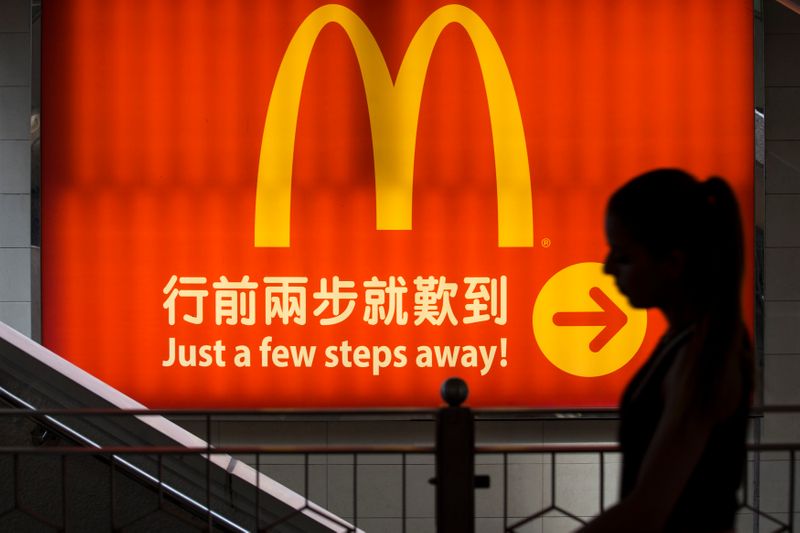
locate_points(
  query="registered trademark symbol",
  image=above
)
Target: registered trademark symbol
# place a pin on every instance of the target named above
(546, 243)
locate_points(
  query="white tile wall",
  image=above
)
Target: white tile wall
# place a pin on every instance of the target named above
(780, 19)
(420, 494)
(613, 474)
(783, 113)
(340, 490)
(782, 274)
(783, 220)
(782, 340)
(782, 68)
(489, 501)
(577, 488)
(15, 16)
(17, 315)
(253, 432)
(575, 431)
(509, 432)
(15, 220)
(294, 477)
(381, 432)
(774, 498)
(559, 524)
(389, 525)
(421, 525)
(15, 275)
(781, 428)
(744, 522)
(525, 489)
(488, 525)
(783, 162)
(15, 59)
(529, 527)
(15, 113)
(15, 188)
(15, 167)
(379, 491)
(781, 373)
(782, 331)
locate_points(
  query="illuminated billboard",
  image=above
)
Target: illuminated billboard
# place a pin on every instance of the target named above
(301, 204)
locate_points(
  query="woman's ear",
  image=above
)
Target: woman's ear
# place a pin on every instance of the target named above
(676, 263)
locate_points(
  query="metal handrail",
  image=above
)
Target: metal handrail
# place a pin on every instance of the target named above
(506, 450)
(301, 413)
(228, 450)
(343, 449)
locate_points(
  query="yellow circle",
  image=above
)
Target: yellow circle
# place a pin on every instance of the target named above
(579, 344)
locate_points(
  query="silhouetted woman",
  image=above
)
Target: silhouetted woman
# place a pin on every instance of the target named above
(676, 245)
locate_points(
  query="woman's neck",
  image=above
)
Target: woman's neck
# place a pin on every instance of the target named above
(680, 316)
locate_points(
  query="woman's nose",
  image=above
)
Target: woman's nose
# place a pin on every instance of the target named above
(608, 265)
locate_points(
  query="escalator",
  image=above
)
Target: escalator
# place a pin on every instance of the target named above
(96, 470)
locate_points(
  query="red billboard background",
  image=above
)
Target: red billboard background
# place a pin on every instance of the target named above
(153, 115)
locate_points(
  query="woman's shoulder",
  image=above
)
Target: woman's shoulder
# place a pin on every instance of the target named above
(712, 380)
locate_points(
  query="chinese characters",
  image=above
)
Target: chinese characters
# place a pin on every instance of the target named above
(330, 301)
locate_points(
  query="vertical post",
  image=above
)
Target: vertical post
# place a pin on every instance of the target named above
(757, 473)
(160, 481)
(404, 493)
(209, 516)
(505, 492)
(355, 492)
(791, 489)
(111, 492)
(455, 461)
(602, 482)
(258, 492)
(64, 492)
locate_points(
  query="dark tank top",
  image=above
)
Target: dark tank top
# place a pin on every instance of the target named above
(708, 501)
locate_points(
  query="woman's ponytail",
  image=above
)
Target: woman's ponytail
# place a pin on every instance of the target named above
(722, 250)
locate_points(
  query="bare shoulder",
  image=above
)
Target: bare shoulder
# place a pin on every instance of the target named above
(709, 384)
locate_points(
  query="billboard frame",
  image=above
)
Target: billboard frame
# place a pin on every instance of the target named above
(759, 221)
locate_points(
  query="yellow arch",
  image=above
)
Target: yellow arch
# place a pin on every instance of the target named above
(394, 114)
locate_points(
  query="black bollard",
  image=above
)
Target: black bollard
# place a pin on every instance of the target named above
(455, 461)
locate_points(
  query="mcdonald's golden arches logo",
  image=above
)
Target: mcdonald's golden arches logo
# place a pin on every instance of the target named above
(394, 113)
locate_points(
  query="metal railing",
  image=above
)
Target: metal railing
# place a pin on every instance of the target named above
(773, 521)
(439, 473)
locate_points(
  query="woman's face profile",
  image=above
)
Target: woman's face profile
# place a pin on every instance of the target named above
(644, 279)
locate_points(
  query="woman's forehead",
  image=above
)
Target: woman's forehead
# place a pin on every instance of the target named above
(616, 230)
(620, 237)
